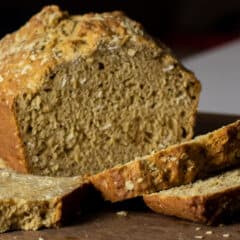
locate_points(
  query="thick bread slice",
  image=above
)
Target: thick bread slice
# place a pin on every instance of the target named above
(206, 201)
(80, 94)
(173, 166)
(31, 202)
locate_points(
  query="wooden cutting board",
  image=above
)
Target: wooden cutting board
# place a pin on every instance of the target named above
(140, 223)
(137, 225)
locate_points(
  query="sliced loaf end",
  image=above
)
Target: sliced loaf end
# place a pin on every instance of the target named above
(173, 166)
(206, 201)
(31, 202)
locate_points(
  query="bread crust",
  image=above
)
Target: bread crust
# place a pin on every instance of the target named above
(187, 208)
(176, 165)
(11, 147)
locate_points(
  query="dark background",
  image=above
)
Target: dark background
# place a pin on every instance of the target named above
(188, 26)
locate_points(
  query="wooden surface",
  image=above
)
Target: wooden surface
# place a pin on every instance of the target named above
(140, 223)
(137, 225)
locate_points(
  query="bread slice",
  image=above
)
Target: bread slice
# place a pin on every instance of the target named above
(31, 202)
(206, 201)
(80, 94)
(176, 165)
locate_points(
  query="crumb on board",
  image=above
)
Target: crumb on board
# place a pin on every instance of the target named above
(122, 213)
(208, 232)
(226, 235)
(41, 238)
(197, 228)
(198, 237)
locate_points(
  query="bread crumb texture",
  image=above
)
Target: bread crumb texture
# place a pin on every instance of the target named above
(213, 185)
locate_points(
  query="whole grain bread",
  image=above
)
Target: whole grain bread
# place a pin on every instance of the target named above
(31, 202)
(207, 201)
(80, 94)
(176, 165)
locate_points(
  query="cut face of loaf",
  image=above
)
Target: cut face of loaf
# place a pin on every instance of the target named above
(176, 165)
(80, 94)
(207, 201)
(31, 202)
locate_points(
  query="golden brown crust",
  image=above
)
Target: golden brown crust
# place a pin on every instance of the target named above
(188, 208)
(123, 182)
(173, 166)
(11, 150)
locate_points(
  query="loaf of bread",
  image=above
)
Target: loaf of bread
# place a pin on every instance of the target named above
(80, 94)
(176, 165)
(31, 202)
(207, 201)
